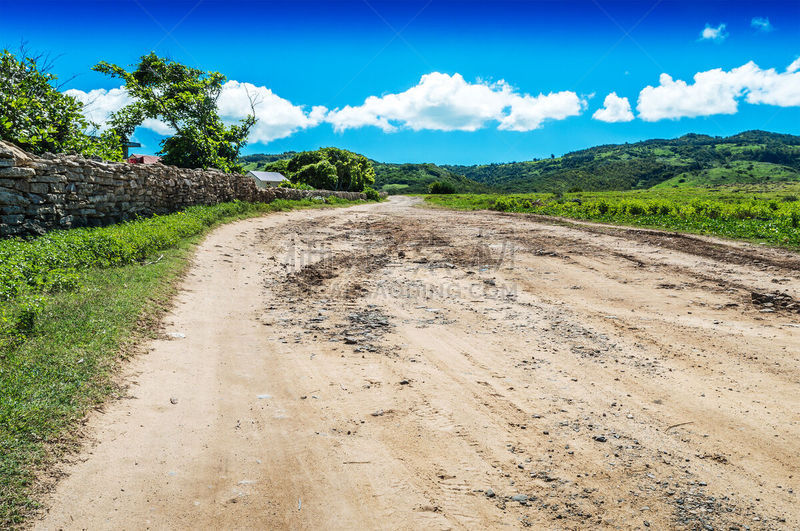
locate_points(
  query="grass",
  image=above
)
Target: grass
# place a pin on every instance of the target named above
(762, 214)
(734, 173)
(61, 363)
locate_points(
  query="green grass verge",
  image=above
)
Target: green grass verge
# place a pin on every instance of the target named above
(59, 365)
(763, 215)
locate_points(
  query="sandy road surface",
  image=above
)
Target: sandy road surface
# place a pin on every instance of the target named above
(387, 366)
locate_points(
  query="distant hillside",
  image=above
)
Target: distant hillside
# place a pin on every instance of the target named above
(415, 178)
(691, 160)
(258, 161)
(752, 157)
(391, 178)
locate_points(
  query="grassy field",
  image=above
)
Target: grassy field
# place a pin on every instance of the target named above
(747, 212)
(73, 304)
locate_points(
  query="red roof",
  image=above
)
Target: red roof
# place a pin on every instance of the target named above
(143, 159)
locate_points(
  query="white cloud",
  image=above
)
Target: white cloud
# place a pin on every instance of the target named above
(761, 24)
(277, 117)
(528, 112)
(718, 92)
(615, 109)
(444, 102)
(98, 104)
(717, 34)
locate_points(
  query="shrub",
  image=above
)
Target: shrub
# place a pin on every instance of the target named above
(441, 187)
(296, 186)
(372, 194)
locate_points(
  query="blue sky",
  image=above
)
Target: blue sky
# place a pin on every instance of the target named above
(447, 82)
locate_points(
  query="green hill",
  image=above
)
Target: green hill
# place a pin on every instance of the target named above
(691, 160)
(752, 157)
(391, 178)
(415, 179)
(260, 160)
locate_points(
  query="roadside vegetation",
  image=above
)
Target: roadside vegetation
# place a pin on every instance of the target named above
(72, 304)
(770, 215)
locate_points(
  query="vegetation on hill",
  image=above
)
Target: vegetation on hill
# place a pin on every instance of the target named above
(389, 178)
(417, 179)
(264, 162)
(691, 160)
(752, 157)
(767, 214)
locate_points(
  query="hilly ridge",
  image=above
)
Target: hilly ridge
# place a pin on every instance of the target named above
(751, 157)
(691, 160)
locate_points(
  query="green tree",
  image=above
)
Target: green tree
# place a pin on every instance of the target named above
(184, 98)
(37, 117)
(320, 174)
(332, 168)
(441, 187)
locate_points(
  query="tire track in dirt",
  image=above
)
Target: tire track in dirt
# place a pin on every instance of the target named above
(388, 366)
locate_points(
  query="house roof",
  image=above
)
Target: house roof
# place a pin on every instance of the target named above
(267, 176)
(144, 159)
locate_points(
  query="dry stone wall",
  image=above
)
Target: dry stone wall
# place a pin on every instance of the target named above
(49, 192)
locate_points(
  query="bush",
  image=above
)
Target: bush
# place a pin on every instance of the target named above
(372, 194)
(441, 187)
(296, 186)
(331, 169)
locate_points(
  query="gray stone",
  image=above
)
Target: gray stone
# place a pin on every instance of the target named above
(7, 197)
(17, 172)
(40, 188)
(16, 219)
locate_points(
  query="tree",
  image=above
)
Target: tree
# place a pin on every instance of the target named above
(37, 117)
(441, 187)
(320, 174)
(185, 99)
(331, 168)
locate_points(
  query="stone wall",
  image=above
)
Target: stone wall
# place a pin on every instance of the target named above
(38, 194)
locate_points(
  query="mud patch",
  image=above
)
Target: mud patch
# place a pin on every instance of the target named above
(365, 327)
(340, 276)
(771, 302)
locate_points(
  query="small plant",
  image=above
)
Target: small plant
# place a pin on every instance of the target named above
(372, 194)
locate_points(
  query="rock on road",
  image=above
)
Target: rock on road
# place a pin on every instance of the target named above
(395, 367)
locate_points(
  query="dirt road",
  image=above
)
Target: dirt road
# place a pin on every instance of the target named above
(393, 367)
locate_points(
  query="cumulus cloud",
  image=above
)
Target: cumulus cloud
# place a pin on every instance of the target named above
(717, 34)
(615, 109)
(98, 104)
(277, 117)
(718, 92)
(444, 102)
(761, 24)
